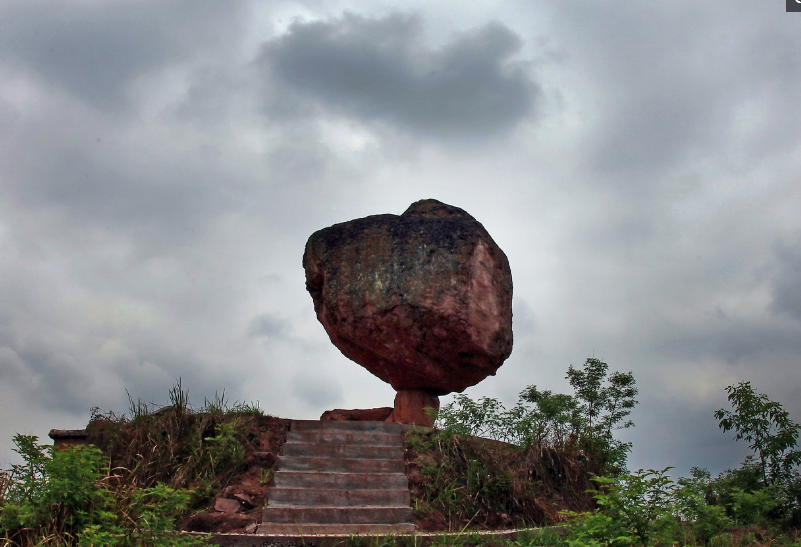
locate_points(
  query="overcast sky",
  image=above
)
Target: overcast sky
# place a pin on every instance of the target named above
(162, 164)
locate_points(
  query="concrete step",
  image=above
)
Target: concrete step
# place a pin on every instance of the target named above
(336, 515)
(317, 425)
(341, 465)
(325, 479)
(344, 436)
(292, 449)
(337, 497)
(335, 529)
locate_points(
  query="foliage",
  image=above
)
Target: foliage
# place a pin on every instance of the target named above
(636, 509)
(605, 402)
(586, 420)
(176, 444)
(67, 497)
(706, 520)
(647, 508)
(456, 479)
(767, 426)
(767, 487)
(483, 483)
(140, 473)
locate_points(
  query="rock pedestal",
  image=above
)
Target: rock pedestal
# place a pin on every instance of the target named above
(411, 407)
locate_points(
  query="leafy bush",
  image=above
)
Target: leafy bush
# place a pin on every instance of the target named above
(483, 483)
(768, 427)
(67, 497)
(139, 475)
(706, 520)
(636, 509)
(584, 421)
(767, 486)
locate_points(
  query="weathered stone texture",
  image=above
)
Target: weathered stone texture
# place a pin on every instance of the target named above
(422, 300)
(411, 405)
(357, 415)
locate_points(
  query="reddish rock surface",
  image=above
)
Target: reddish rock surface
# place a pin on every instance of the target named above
(411, 405)
(422, 300)
(224, 505)
(221, 523)
(357, 415)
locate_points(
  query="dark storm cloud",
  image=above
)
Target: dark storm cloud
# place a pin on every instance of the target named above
(378, 69)
(94, 50)
(787, 280)
(57, 376)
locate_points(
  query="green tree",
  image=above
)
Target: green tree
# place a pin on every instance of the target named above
(604, 403)
(587, 419)
(767, 426)
(553, 420)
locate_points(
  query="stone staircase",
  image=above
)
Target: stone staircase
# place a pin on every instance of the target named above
(340, 478)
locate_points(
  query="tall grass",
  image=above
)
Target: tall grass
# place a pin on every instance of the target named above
(176, 444)
(489, 484)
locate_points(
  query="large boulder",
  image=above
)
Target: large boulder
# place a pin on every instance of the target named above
(422, 300)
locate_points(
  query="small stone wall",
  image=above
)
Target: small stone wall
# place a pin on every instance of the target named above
(63, 438)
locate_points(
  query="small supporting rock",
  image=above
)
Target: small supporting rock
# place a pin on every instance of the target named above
(356, 415)
(224, 505)
(411, 405)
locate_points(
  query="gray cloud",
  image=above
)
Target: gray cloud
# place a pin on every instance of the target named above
(106, 186)
(70, 370)
(736, 343)
(666, 94)
(378, 69)
(267, 325)
(787, 280)
(94, 51)
(317, 391)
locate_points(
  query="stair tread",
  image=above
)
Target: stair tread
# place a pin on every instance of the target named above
(294, 457)
(339, 472)
(330, 507)
(333, 529)
(307, 443)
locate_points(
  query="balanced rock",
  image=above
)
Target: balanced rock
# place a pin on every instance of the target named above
(422, 300)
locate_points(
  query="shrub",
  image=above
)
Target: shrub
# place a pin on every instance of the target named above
(585, 421)
(768, 427)
(67, 497)
(485, 483)
(693, 497)
(767, 487)
(636, 509)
